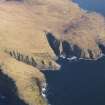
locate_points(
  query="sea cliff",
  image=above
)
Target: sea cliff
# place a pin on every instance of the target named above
(60, 28)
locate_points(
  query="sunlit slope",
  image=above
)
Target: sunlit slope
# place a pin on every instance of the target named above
(29, 81)
(19, 30)
(84, 32)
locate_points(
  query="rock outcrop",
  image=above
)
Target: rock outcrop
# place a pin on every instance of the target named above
(85, 35)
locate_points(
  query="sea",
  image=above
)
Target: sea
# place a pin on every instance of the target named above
(79, 82)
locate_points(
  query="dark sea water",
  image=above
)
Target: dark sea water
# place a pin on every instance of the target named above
(79, 82)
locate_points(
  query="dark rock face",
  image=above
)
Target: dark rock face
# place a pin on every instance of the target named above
(102, 47)
(63, 48)
(54, 43)
(84, 37)
(67, 48)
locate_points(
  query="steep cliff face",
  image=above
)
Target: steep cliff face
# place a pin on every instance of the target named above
(82, 34)
(83, 38)
(85, 35)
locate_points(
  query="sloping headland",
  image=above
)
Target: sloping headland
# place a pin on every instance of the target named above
(81, 32)
(45, 30)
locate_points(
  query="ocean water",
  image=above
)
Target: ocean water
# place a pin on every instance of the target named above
(79, 82)
(92, 5)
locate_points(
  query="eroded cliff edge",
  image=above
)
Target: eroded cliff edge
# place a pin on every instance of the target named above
(83, 33)
(83, 38)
